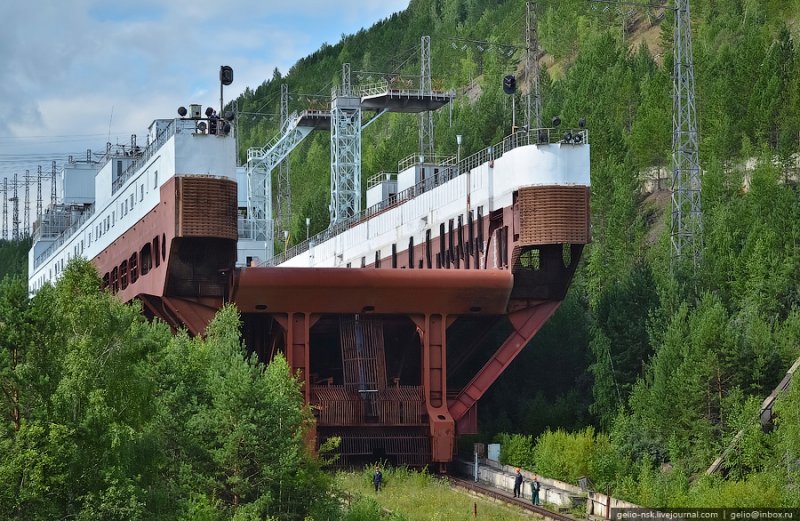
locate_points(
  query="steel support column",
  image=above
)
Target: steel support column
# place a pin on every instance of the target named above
(526, 323)
(297, 327)
(433, 330)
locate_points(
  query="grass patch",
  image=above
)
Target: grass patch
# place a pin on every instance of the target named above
(419, 496)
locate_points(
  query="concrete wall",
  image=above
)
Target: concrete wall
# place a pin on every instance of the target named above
(500, 476)
(597, 504)
(553, 491)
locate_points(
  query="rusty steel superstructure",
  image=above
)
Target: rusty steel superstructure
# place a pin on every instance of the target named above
(397, 319)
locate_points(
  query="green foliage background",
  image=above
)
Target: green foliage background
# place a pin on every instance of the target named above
(107, 416)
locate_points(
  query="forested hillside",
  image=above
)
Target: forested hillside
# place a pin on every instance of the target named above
(665, 364)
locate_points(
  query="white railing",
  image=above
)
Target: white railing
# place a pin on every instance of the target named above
(379, 178)
(141, 158)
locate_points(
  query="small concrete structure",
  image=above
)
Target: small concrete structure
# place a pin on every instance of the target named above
(492, 473)
(553, 492)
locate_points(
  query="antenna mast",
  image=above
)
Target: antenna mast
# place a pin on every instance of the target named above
(687, 222)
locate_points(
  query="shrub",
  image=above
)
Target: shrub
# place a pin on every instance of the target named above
(516, 450)
(569, 456)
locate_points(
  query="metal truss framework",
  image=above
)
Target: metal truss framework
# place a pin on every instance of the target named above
(260, 163)
(346, 128)
(687, 223)
(345, 151)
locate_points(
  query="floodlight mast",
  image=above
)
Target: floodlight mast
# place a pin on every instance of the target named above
(225, 78)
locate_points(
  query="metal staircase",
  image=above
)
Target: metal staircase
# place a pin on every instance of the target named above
(261, 162)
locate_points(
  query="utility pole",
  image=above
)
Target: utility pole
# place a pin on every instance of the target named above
(532, 69)
(687, 218)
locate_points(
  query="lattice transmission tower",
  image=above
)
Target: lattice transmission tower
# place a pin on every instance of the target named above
(426, 145)
(5, 209)
(534, 97)
(26, 209)
(15, 209)
(687, 217)
(39, 202)
(53, 192)
(284, 201)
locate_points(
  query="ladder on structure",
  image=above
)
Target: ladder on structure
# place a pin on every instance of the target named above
(364, 361)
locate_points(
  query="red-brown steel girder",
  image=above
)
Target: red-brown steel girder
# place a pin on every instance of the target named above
(526, 323)
(378, 291)
(433, 329)
(194, 313)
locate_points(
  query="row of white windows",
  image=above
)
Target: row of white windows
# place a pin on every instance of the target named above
(124, 208)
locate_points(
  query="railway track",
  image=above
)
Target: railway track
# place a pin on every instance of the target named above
(503, 497)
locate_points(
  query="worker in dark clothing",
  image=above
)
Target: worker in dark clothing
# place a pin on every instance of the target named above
(518, 484)
(377, 478)
(535, 487)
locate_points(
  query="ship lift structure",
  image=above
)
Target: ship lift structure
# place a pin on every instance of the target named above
(344, 121)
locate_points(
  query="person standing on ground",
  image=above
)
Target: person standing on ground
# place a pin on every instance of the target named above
(535, 487)
(377, 478)
(518, 484)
